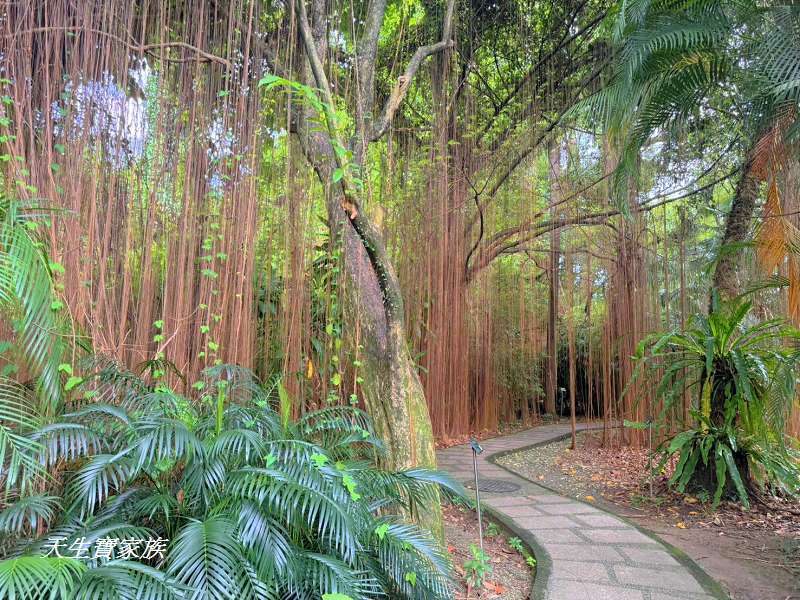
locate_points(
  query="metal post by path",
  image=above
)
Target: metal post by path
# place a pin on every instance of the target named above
(650, 454)
(476, 449)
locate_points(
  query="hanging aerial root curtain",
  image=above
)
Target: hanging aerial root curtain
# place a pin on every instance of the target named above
(137, 130)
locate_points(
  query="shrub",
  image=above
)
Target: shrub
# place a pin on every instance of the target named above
(743, 377)
(246, 502)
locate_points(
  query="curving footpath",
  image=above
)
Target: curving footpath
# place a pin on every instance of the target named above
(582, 552)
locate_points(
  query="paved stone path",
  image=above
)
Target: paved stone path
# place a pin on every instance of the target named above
(582, 552)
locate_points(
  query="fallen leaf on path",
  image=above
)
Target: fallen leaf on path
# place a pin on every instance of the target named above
(680, 525)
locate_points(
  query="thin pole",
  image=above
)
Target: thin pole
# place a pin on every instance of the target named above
(650, 454)
(477, 497)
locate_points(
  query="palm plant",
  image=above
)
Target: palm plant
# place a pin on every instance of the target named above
(744, 378)
(254, 505)
(26, 297)
(673, 58)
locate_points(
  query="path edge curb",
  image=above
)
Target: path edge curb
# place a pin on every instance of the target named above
(543, 560)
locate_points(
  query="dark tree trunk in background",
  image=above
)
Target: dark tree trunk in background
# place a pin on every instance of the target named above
(737, 228)
(551, 381)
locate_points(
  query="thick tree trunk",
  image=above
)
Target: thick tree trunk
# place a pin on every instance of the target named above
(392, 390)
(737, 227)
(726, 272)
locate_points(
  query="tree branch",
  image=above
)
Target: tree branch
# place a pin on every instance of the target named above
(500, 243)
(140, 48)
(400, 89)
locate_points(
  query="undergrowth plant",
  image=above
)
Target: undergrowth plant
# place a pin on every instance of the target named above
(477, 568)
(244, 501)
(743, 377)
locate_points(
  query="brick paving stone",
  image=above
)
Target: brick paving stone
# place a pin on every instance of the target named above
(540, 523)
(680, 581)
(600, 520)
(570, 508)
(557, 536)
(583, 571)
(648, 556)
(549, 499)
(522, 511)
(660, 596)
(584, 552)
(561, 589)
(617, 536)
(507, 501)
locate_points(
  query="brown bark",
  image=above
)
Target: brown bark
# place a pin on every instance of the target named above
(737, 228)
(392, 390)
(552, 318)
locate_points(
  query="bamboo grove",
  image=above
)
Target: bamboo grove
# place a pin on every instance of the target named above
(190, 208)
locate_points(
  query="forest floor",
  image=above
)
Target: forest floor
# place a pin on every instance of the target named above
(510, 578)
(755, 554)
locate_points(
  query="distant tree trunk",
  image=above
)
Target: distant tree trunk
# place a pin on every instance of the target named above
(571, 344)
(551, 381)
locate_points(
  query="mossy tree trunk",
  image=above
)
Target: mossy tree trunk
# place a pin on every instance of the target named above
(391, 389)
(737, 229)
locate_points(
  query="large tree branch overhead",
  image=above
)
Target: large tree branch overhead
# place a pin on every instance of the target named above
(400, 88)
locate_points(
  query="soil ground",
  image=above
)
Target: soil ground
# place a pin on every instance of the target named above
(755, 555)
(510, 578)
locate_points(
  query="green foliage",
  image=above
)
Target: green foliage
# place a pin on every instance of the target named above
(516, 544)
(492, 530)
(743, 377)
(478, 568)
(253, 504)
(27, 297)
(710, 447)
(672, 58)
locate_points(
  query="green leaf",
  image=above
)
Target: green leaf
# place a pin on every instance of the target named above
(72, 382)
(319, 460)
(65, 368)
(411, 578)
(381, 530)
